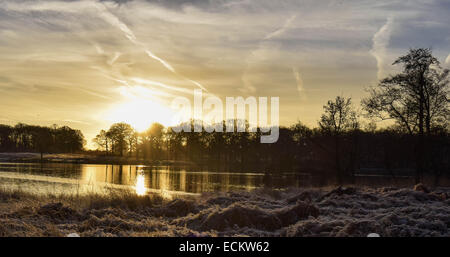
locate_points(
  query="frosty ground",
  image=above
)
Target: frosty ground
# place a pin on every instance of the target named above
(343, 211)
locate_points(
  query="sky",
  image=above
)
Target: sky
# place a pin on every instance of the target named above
(88, 64)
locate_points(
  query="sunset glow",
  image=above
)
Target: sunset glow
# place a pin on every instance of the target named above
(139, 109)
(88, 64)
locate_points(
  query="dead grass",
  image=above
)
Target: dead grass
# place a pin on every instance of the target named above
(264, 212)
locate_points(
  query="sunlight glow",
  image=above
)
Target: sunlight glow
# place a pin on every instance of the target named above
(140, 109)
(140, 184)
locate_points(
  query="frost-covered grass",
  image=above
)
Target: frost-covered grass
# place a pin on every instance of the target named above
(264, 212)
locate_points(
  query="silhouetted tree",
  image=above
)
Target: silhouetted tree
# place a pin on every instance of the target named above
(41, 139)
(68, 140)
(417, 98)
(155, 137)
(339, 117)
(6, 141)
(27, 138)
(102, 140)
(119, 134)
(133, 141)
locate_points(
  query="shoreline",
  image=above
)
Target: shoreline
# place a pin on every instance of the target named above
(294, 212)
(85, 159)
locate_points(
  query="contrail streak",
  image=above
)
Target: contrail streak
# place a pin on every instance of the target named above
(167, 65)
(283, 28)
(159, 84)
(299, 80)
(115, 21)
(248, 87)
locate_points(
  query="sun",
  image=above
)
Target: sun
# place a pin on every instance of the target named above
(140, 112)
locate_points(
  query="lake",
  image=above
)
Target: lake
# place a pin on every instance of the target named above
(59, 178)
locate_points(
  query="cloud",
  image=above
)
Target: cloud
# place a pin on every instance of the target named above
(259, 54)
(380, 44)
(100, 9)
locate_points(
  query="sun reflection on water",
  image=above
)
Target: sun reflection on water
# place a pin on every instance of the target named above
(140, 184)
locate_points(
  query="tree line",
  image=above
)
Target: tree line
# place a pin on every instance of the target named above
(40, 139)
(416, 100)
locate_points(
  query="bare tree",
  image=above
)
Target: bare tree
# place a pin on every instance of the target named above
(338, 118)
(417, 98)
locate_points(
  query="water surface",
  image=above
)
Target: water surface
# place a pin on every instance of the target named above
(57, 178)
